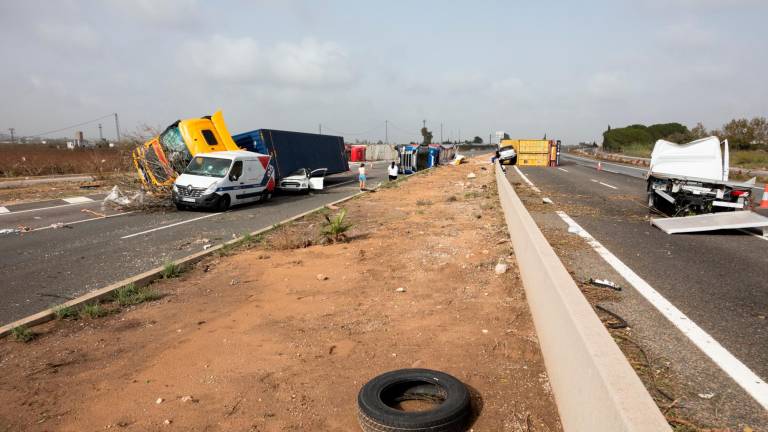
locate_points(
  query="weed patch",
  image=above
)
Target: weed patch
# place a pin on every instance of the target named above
(22, 334)
(335, 228)
(131, 295)
(92, 311)
(171, 270)
(423, 202)
(65, 312)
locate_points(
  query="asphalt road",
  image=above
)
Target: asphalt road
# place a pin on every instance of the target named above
(50, 265)
(718, 279)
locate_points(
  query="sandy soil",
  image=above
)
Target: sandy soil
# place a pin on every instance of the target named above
(58, 190)
(260, 341)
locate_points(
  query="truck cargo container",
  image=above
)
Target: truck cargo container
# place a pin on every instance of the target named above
(292, 151)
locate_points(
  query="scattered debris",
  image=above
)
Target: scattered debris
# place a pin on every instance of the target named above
(401, 289)
(234, 282)
(485, 331)
(159, 401)
(706, 395)
(471, 175)
(322, 277)
(605, 283)
(207, 246)
(93, 213)
(331, 207)
(620, 322)
(546, 200)
(501, 268)
(189, 398)
(58, 225)
(9, 231)
(167, 421)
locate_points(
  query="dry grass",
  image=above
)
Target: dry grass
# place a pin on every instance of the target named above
(40, 160)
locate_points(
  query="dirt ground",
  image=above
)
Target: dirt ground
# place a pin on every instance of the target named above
(280, 337)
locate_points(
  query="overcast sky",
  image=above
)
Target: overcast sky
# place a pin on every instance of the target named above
(564, 68)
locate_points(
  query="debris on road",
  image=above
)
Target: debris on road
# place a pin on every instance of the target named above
(95, 213)
(9, 231)
(400, 290)
(501, 268)
(706, 395)
(546, 200)
(322, 277)
(619, 322)
(471, 175)
(605, 283)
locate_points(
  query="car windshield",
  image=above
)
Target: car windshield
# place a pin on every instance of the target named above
(208, 166)
(301, 172)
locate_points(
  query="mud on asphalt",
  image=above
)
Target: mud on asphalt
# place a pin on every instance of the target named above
(282, 333)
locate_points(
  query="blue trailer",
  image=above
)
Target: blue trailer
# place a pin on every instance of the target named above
(291, 151)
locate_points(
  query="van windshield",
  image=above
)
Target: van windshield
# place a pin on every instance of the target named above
(208, 166)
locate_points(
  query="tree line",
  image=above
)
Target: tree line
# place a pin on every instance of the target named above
(742, 134)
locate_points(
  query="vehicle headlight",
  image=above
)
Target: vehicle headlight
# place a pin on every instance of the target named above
(211, 189)
(175, 188)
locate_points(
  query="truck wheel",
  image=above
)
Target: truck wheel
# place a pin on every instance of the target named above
(224, 203)
(380, 409)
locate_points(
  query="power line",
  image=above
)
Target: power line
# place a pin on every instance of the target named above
(73, 126)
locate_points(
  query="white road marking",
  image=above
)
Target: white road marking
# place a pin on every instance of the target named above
(607, 185)
(748, 380)
(593, 180)
(77, 200)
(754, 235)
(14, 212)
(606, 163)
(562, 169)
(171, 225)
(4, 210)
(84, 220)
(340, 184)
(533, 186)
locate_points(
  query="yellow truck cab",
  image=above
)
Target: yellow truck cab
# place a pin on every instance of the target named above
(160, 160)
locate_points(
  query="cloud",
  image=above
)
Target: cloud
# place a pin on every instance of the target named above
(608, 85)
(178, 13)
(308, 63)
(74, 36)
(687, 35)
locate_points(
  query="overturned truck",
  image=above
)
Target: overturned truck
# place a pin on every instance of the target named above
(692, 178)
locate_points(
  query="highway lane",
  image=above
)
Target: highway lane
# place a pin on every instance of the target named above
(48, 266)
(717, 279)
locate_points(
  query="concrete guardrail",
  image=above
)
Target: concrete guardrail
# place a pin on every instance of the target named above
(595, 388)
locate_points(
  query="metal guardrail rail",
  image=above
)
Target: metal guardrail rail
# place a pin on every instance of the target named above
(595, 388)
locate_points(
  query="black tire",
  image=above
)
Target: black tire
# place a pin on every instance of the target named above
(376, 400)
(224, 203)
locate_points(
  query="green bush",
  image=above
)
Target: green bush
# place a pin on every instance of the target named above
(638, 135)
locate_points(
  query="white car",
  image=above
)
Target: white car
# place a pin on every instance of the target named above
(507, 155)
(304, 180)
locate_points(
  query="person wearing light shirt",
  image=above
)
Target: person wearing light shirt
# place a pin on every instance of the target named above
(392, 170)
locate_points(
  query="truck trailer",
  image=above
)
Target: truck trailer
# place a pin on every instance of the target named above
(294, 151)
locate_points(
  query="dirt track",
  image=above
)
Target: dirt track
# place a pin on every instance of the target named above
(259, 342)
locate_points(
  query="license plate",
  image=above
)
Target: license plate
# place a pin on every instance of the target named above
(188, 199)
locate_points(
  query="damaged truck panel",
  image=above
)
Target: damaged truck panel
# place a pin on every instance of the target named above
(692, 178)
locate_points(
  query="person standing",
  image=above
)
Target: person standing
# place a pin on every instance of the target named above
(361, 176)
(392, 170)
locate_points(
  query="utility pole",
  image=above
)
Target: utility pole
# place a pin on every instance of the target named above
(459, 135)
(424, 123)
(490, 138)
(386, 131)
(101, 135)
(320, 128)
(117, 127)
(441, 132)
(12, 130)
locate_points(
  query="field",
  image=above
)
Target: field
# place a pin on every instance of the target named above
(24, 160)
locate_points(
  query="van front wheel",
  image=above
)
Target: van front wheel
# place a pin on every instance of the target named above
(224, 203)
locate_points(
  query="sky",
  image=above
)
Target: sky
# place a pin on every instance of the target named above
(567, 69)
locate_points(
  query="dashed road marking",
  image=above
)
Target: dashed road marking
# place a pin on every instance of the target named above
(533, 186)
(172, 225)
(738, 371)
(562, 169)
(607, 185)
(83, 220)
(14, 212)
(4, 210)
(77, 200)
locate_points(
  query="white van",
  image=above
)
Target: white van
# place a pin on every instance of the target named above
(220, 179)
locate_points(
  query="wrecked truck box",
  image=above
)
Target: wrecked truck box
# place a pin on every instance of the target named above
(705, 158)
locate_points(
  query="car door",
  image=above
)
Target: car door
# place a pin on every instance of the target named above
(317, 179)
(236, 182)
